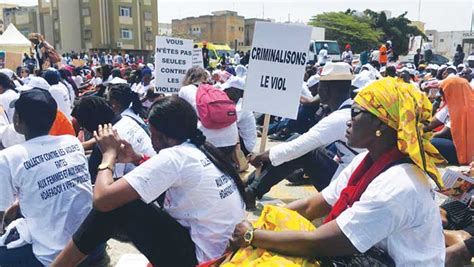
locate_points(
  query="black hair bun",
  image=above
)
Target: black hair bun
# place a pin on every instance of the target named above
(198, 138)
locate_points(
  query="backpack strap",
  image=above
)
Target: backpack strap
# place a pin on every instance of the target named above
(345, 107)
(139, 123)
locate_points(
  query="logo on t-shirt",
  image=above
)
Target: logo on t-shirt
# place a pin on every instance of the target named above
(205, 162)
(225, 185)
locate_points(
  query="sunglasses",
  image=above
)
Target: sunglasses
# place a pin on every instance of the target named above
(357, 111)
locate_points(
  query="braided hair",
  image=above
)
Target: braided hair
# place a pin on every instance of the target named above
(125, 96)
(176, 118)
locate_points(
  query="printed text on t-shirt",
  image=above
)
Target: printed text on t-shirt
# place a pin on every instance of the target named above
(221, 182)
(37, 160)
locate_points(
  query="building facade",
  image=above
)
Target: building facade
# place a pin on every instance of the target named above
(249, 30)
(3, 25)
(25, 19)
(58, 21)
(419, 24)
(118, 24)
(445, 43)
(222, 27)
(164, 29)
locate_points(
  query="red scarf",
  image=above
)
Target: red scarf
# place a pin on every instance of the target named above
(360, 179)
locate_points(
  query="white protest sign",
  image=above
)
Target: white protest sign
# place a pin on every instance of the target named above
(276, 69)
(173, 58)
(197, 58)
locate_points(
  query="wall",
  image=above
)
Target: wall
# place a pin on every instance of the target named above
(223, 28)
(69, 26)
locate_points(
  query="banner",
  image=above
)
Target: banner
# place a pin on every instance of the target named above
(197, 58)
(13, 60)
(276, 69)
(414, 44)
(173, 58)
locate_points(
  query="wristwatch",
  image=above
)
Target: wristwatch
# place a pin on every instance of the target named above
(248, 236)
(105, 166)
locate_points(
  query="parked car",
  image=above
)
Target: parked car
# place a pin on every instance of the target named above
(437, 59)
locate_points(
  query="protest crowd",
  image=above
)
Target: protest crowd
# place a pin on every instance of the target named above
(95, 152)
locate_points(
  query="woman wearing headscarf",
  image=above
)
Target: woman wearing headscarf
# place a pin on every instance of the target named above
(383, 200)
(456, 140)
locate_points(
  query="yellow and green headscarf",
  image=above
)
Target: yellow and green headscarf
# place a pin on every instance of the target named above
(405, 109)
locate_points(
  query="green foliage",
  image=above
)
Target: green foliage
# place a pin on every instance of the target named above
(367, 29)
(348, 28)
(396, 29)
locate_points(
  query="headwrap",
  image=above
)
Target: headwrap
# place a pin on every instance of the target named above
(146, 71)
(241, 71)
(402, 107)
(459, 97)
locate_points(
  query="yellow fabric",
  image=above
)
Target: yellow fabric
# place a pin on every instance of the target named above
(405, 109)
(274, 218)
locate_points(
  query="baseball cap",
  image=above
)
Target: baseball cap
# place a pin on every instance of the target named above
(117, 80)
(34, 98)
(35, 82)
(313, 80)
(234, 82)
(36, 107)
(7, 72)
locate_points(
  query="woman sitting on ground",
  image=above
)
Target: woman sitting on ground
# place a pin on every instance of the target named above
(225, 138)
(92, 111)
(456, 140)
(125, 102)
(203, 194)
(383, 199)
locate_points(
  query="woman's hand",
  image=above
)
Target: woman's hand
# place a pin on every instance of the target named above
(12, 213)
(237, 240)
(257, 160)
(108, 140)
(126, 154)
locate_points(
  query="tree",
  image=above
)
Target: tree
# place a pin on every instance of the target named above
(395, 29)
(346, 27)
(367, 29)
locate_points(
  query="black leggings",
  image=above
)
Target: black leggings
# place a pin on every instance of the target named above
(154, 233)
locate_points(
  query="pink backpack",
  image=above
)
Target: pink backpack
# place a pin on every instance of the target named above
(214, 108)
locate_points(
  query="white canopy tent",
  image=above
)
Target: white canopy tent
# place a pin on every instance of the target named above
(13, 41)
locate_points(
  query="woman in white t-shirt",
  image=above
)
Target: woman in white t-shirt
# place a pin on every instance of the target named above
(142, 87)
(125, 102)
(59, 92)
(202, 202)
(246, 123)
(383, 200)
(226, 138)
(92, 111)
(7, 95)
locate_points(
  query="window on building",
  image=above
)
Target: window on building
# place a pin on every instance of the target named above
(126, 34)
(25, 32)
(85, 12)
(125, 11)
(148, 37)
(147, 15)
(441, 40)
(87, 34)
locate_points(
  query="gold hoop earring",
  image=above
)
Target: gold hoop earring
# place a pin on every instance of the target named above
(378, 133)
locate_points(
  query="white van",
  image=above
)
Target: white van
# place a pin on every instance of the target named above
(315, 46)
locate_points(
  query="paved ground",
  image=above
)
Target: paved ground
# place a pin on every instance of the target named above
(286, 193)
(280, 194)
